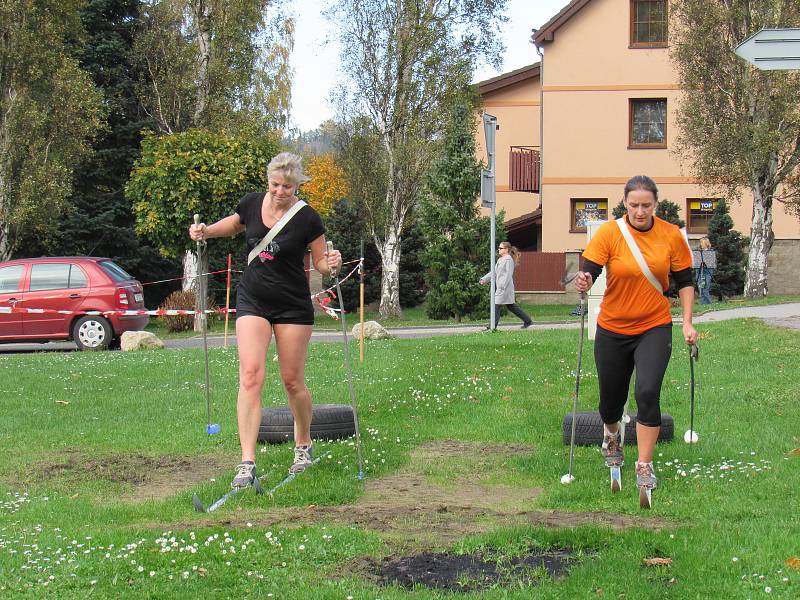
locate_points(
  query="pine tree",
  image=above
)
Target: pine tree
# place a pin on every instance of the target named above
(729, 245)
(457, 237)
(665, 209)
(345, 227)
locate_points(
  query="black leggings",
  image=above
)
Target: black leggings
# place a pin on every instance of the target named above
(616, 356)
(514, 309)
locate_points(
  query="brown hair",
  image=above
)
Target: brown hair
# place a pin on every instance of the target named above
(513, 251)
(641, 182)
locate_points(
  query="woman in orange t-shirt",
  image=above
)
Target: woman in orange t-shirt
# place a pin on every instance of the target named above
(634, 327)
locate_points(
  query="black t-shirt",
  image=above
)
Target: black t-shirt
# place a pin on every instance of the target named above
(277, 276)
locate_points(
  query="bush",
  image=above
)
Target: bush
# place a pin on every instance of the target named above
(729, 245)
(182, 300)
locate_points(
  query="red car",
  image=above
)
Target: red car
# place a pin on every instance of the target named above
(76, 284)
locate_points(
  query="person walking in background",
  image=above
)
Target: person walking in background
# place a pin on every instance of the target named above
(704, 264)
(504, 284)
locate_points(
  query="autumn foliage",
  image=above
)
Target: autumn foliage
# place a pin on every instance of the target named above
(328, 183)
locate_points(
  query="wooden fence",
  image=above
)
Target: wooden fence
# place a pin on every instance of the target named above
(540, 272)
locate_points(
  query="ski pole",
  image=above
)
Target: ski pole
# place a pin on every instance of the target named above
(569, 478)
(349, 370)
(691, 437)
(211, 428)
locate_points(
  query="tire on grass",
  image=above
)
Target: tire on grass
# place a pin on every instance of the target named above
(328, 422)
(589, 429)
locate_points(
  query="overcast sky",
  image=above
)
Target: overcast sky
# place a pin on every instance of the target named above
(316, 55)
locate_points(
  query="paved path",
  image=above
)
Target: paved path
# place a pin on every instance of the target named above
(779, 315)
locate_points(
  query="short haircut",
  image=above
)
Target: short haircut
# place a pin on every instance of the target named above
(289, 165)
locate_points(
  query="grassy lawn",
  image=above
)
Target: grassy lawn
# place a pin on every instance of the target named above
(416, 317)
(463, 447)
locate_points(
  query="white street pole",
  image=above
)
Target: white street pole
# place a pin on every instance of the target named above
(488, 197)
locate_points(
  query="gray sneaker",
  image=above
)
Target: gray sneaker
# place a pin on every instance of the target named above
(245, 475)
(303, 458)
(645, 475)
(612, 450)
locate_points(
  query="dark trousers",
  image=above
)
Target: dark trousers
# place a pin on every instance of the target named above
(616, 356)
(514, 309)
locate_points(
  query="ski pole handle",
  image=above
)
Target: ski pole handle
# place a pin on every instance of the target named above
(334, 270)
(197, 222)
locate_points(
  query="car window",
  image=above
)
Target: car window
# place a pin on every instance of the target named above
(77, 278)
(49, 276)
(114, 271)
(11, 278)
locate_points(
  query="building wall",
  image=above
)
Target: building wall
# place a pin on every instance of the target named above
(517, 110)
(590, 75)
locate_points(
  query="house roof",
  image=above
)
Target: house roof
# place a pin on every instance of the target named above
(510, 78)
(523, 221)
(547, 32)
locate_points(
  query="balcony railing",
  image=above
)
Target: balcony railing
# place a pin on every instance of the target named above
(523, 169)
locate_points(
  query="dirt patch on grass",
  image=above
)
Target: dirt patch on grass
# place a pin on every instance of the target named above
(440, 498)
(146, 477)
(470, 572)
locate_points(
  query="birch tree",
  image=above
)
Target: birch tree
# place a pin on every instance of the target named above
(739, 127)
(220, 65)
(215, 64)
(406, 60)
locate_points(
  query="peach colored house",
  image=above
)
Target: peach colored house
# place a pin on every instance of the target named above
(514, 98)
(606, 96)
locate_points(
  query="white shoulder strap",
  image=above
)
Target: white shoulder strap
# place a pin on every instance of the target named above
(637, 254)
(275, 230)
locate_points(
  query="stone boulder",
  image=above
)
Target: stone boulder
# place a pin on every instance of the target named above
(372, 331)
(139, 340)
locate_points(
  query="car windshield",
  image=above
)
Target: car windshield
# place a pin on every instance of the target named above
(114, 271)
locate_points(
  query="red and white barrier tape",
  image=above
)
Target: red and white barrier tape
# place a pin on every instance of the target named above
(164, 312)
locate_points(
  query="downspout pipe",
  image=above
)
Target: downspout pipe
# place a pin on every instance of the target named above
(541, 118)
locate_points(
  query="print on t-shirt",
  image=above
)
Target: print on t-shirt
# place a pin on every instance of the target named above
(268, 253)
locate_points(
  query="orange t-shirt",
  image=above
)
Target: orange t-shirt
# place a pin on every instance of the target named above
(631, 305)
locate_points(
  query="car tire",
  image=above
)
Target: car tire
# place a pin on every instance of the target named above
(91, 332)
(589, 429)
(328, 422)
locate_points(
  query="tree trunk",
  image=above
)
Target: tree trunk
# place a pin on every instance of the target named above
(5, 245)
(761, 238)
(193, 280)
(390, 279)
(189, 271)
(201, 11)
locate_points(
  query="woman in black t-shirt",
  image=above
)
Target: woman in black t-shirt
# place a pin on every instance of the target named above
(273, 296)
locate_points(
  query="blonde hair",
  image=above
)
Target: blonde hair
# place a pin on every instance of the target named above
(513, 251)
(289, 165)
(705, 243)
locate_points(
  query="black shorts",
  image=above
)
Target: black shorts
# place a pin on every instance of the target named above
(246, 305)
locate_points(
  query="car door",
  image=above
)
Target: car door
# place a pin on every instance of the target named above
(58, 286)
(11, 278)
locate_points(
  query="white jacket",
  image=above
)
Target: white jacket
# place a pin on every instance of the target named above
(504, 280)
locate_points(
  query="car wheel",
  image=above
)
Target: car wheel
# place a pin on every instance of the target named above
(92, 333)
(328, 422)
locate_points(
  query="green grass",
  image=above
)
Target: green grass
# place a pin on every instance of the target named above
(416, 316)
(729, 523)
